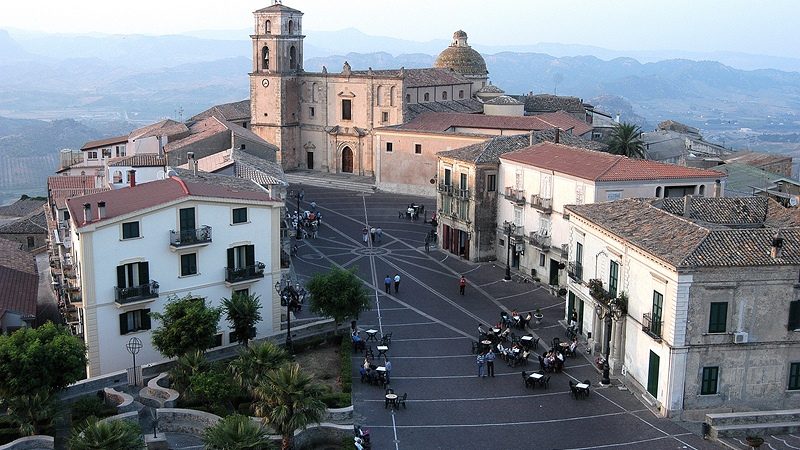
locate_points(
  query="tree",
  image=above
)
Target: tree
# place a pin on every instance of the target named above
(185, 367)
(214, 389)
(338, 294)
(289, 400)
(254, 362)
(237, 432)
(626, 140)
(242, 311)
(33, 413)
(187, 324)
(45, 358)
(108, 435)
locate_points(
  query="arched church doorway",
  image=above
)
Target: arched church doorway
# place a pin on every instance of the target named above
(347, 160)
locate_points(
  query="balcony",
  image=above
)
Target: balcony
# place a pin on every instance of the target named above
(239, 274)
(564, 251)
(575, 270)
(445, 188)
(540, 241)
(136, 293)
(515, 195)
(461, 193)
(651, 327)
(183, 238)
(544, 205)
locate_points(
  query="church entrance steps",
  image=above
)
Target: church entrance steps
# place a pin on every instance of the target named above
(753, 423)
(332, 180)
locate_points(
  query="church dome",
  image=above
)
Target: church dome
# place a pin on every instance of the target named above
(461, 58)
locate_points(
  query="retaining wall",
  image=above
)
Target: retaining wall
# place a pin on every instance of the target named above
(37, 442)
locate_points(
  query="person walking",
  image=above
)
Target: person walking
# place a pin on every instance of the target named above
(489, 358)
(387, 284)
(396, 283)
(481, 361)
(372, 232)
(365, 234)
(427, 244)
(379, 234)
(462, 284)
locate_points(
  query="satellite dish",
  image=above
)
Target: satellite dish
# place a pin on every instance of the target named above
(793, 200)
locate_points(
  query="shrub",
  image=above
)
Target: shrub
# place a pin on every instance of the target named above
(345, 367)
(88, 406)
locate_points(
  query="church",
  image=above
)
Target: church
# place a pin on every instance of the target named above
(324, 121)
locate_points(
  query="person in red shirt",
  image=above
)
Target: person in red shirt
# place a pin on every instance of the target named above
(462, 283)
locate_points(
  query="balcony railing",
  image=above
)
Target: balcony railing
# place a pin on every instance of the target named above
(136, 293)
(575, 270)
(453, 191)
(540, 241)
(542, 204)
(461, 193)
(181, 238)
(515, 195)
(237, 274)
(564, 251)
(446, 188)
(651, 327)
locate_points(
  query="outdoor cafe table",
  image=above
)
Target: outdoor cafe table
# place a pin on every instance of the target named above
(535, 375)
(526, 338)
(371, 335)
(382, 349)
(486, 343)
(381, 369)
(391, 399)
(496, 330)
(582, 386)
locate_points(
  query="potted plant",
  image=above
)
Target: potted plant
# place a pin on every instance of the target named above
(538, 316)
(754, 441)
(561, 266)
(562, 292)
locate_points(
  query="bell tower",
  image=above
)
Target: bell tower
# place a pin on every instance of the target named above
(274, 86)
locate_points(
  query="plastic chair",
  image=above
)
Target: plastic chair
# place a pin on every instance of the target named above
(402, 400)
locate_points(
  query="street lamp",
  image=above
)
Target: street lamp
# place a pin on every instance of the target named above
(284, 288)
(614, 312)
(298, 196)
(133, 346)
(510, 228)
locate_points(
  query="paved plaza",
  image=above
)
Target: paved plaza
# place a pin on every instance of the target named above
(433, 328)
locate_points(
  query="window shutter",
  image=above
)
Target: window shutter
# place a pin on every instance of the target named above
(121, 277)
(794, 315)
(250, 255)
(230, 259)
(146, 319)
(123, 323)
(144, 273)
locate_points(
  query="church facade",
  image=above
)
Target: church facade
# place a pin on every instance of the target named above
(324, 121)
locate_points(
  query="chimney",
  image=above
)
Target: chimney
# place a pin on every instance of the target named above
(687, 206)
(558, 135)
(101, 210)
(132, 177)
(530, 138)
(777, 245)
(717, 189)
(87, 212)
(192, 162)
(617, 118)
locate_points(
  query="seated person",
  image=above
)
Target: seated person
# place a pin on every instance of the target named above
(358, 343)
(363, 372)
(504, 334)
(481, 331)
(573, 345)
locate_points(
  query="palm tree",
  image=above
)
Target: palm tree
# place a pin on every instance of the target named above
(237, 432)
(254, 362)
(243, 312)
(108, 435)
(289, 400)
(33, 412)
(187, 365)
(626, 140)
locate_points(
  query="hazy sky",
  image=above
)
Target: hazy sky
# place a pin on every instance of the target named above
(752, 26)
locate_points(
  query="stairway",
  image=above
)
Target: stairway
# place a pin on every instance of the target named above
(345, 182)
(753, 423)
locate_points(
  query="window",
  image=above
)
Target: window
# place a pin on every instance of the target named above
(92, 155)
(491, 183)
(518, 217)
(217, 340)
(311, 111)
(613, 279)
(133, 275)
(388, 147)
(265, 58)
(447, 177)
(794, 315)
(418, 149)
(613, 195)
(658, 192)
(188, 264)
(708, 385)
(31, 242)
(130, 230)
(120, 150)
(541, 259)
(239, 215)
(268, 27)
(117, 177)
(134, 321)
(718, 317)
(444, 95)
(794, 376)
(291, 27)
(461, 93)
(384, 116)
(244, 292)
(242, 257)
(462, 181)
(658, 306)
(292, 57)
(347, 113)
(106, 153)
(426, 97)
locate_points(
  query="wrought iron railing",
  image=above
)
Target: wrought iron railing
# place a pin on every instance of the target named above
(236, 274)
(135, 293)
(515, 195)
(541, 241)
(575, 270)
(180, 238)
(542, 204)
(652, 327)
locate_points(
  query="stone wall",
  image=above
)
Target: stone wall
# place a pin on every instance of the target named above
(179, 420)
(157, 396)
(30, 443)
(123, 401)
(323, 435)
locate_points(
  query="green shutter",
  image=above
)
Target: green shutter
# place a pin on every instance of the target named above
(145, 319)
(231, 263)
(250, 255)
(144, 273)
(794, 315)
(121, 277)
(652, 374)
(123, 323)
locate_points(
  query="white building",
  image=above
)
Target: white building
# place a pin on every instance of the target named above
(539, 181)
(712, 317)
(205, 235)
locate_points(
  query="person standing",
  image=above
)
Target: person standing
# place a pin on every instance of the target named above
(462, 284)
(490, 357)
(379, 234)
(365, 234)
(372, 232)
(387, 284)
(481, 361)
(427, 244)
(396, 283)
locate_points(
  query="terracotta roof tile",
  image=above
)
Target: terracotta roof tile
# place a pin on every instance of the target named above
(71, 182)
(167, 127)
(33, 223)
(600, 166)
(22, 207)
(140, 160)
(105, 142)
(445, 121)
(227, 111)
(490, 150)
(19, 279)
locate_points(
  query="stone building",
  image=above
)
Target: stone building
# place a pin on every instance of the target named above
(710, 316)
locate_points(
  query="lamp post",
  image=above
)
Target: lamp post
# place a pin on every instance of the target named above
(282, 287)
(298, 196)
(510, 228)
(133, 346)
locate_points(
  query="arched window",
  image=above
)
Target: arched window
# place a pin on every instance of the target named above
(268, 27)
(702, 190)
(426, 97)
(379, 95)
(391, 96)
(313, 92)
(444, 95)
(408, 98)
(461, 93)
(291, 27)
(292, 57)
(265, 58)
(658, 192)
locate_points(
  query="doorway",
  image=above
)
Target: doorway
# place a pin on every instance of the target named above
(652, 374)
(553, 272)
(310, 160)
(347, 160)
